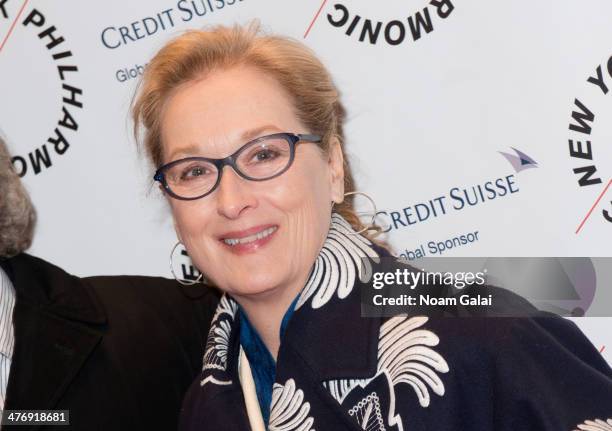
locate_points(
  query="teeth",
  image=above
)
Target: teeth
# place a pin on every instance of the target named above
(264, 233)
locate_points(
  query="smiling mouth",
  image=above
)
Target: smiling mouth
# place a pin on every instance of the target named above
(251, 238)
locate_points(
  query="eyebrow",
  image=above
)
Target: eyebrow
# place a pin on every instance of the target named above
(193, 149)
(256, 132)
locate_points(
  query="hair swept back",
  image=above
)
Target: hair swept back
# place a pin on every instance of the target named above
(196, 53)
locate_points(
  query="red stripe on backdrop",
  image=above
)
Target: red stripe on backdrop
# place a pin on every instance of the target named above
(593, 207)
(315, 18)
(13, 25)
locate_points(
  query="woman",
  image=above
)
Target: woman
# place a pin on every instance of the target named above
(288, 348)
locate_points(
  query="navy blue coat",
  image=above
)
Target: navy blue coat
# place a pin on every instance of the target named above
(339, 371)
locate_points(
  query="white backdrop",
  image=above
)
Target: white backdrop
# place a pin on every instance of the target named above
(429, 114)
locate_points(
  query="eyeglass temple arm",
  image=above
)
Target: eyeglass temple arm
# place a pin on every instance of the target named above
(309, 138)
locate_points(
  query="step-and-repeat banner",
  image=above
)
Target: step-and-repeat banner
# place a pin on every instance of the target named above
(479, 128)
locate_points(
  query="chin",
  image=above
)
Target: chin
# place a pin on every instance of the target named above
(254, 283)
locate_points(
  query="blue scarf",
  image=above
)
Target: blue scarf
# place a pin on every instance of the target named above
(263, 366)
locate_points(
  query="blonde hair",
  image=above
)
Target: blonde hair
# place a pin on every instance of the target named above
(197, 53)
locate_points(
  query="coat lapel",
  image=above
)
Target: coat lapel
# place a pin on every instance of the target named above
(215, 400)
(321, 346)
(324, 341)
(349, 365)
(57, 323)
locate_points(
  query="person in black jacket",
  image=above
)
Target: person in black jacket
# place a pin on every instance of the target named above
(117, 352)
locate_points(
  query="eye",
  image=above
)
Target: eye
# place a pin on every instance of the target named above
(195, 171)
(265, 154)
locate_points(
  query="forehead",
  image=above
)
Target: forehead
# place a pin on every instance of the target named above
(212, 115)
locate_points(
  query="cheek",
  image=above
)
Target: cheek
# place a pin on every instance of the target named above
(305, 199)
(305, 187)
(190, 220)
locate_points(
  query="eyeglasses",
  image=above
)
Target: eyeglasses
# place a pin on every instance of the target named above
(261, 159)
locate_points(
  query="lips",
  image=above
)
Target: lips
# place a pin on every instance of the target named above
(249, 239)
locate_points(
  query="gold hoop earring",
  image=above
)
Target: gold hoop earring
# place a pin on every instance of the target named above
(200, 278)
(368, 197)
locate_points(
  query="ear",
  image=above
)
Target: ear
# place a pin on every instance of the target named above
(336, 170)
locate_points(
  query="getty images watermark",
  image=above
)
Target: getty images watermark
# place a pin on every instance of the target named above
(496, 286)
(419, 278)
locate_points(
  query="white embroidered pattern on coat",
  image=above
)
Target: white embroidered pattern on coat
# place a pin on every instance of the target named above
(338, 264)
(288, 410)
(217, 343)
(404, 356)
(368, 413)
(595, 425)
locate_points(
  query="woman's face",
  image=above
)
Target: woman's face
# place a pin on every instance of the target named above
(214, 117)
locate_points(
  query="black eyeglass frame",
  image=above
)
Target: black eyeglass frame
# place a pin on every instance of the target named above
(291, 138)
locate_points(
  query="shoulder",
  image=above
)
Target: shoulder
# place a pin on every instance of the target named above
(151, 288)
(538, 339)
(122, 297)
(153, 297)
(124, 286)
(554, 342)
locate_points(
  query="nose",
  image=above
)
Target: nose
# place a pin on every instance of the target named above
(234, 196)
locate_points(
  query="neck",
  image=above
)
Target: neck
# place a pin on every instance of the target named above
(266, 312)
